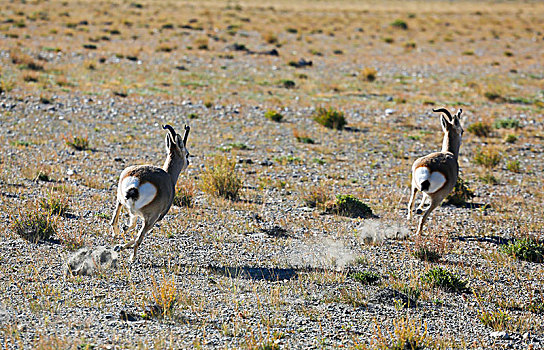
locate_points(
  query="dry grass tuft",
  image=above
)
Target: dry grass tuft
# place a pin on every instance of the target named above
(221, 178)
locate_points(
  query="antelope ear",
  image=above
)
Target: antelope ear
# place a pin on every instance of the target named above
(168, 142)
(444, 122)
(178, 141)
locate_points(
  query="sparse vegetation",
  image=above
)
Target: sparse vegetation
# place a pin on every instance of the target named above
(488, 157)
(79, 143)
(399, 23)
(55, 204)
(444, 279)
(480, 129)
(348, 205)
(527, 249)
(185, 192)
(221, 178)
(507, 123)
(330, 118)
(273, 115)
(315, 196)
(365, 277)
(461, 193)
(369, 74)
(35, 225)
(114, 72)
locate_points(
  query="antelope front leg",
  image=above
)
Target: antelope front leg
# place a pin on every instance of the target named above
(115, 220)
(147, 226)
(412, 202)
(434, 204)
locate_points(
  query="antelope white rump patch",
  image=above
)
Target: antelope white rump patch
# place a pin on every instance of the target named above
(146, 191)
(436, 179)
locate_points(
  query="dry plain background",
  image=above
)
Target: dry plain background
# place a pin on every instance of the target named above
(112, 71)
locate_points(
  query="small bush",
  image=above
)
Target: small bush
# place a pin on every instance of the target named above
(489, 179)
(444, 279)
(514, 166)
(54, 204)
(221, 178)
(510, 138)
(369, 74)
(41, 175)
(316, 196)
(527, 249)
(31, 77)
(480, 129)
(35, 225)
(330, 118)
(164, 298)
(461, 194)
(489, 158)
(399, 23)
(498, 320)
(78, 143)
(406, 335)
(185, 192)
(425, 253)
(348, 205)
(365, 277)
(507, 123)
(273, 115)
(493, 96)
(287, 83)
(302, 137)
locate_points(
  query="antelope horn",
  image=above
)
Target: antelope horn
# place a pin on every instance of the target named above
(445, 111)
(186, 134)
(459, 113)
(172, 131)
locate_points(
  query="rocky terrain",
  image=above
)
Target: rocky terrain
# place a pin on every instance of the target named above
(85, 89)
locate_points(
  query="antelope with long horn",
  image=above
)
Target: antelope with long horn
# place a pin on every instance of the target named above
(436, 174)
(148, 191)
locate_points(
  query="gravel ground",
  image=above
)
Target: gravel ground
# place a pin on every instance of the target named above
(267, 271)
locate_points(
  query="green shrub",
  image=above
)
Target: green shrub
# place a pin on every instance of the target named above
(444, 279)
(287, 83)
(35, 225)
(493, 96)
(498, 320)
(514, 166)
(185, 192)
(221, 178)
(425, 253)
(510, 138)
(273, 115)
(365, 277)
(330, 118)
(507, 123)
(489, 158)
(348, 205)
(480, 129)
(78, 143)
(56, 205)
(461, 194)
(315, 196)
(526, 249)
(489, 179)
(399, 23)
(369, 74)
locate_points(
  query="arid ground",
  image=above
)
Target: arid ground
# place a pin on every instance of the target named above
(86, 85)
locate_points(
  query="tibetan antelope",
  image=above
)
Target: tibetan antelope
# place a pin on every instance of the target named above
(148, 191)
(436, 174)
